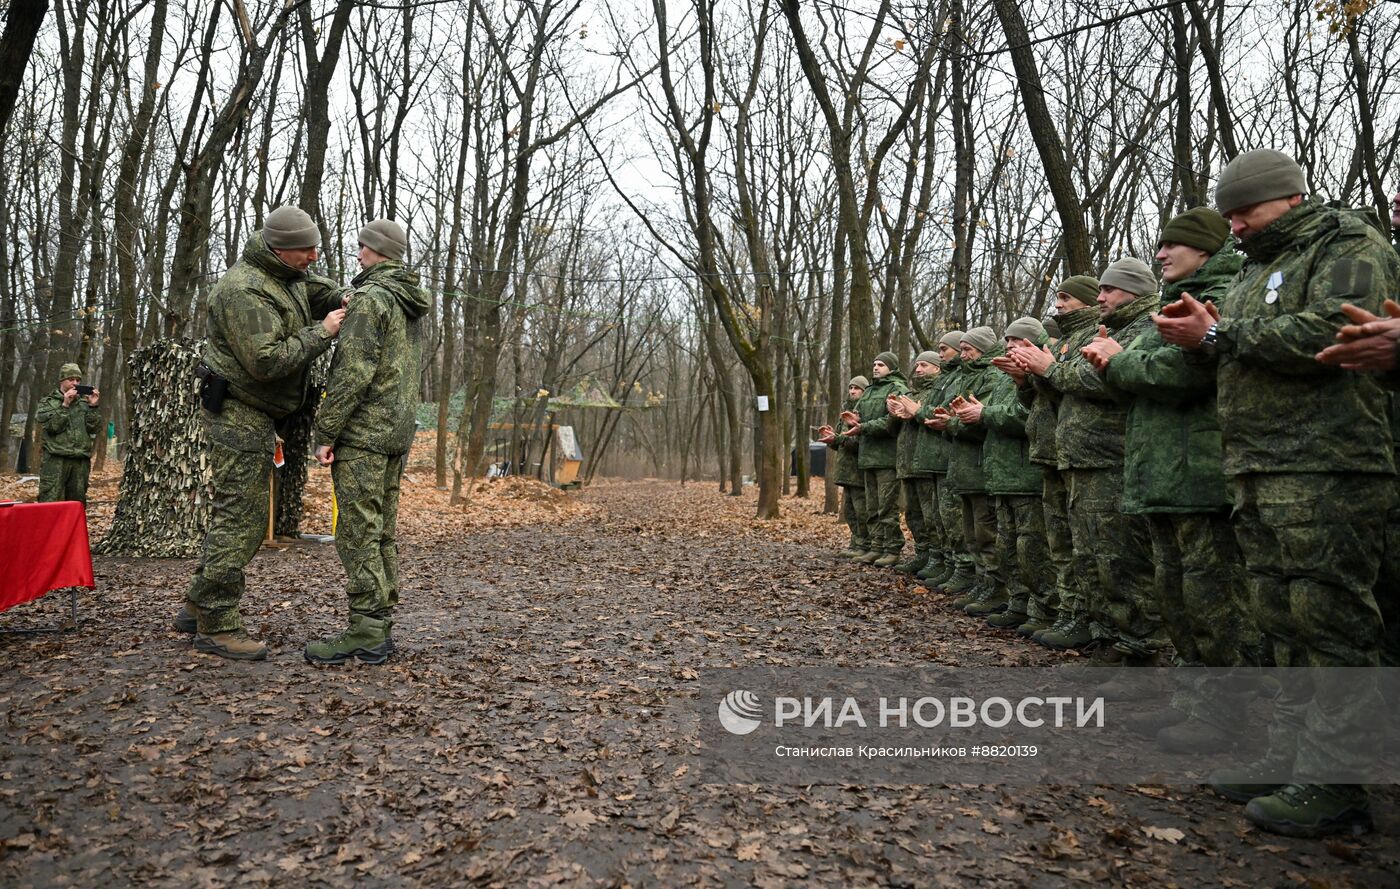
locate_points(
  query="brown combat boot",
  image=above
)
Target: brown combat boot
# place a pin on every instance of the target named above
(235, 645)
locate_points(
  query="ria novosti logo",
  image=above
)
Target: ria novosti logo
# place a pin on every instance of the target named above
(739, 712)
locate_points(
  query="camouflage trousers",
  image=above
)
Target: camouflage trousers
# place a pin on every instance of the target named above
(1312, 551)
(979, 528)
(64, 478)
(1045, 602)
(1117, 594)
(853, 514)
(921, 515)
(1022, 555)
(1199, 586)
(366, 532)
(950, 511)
(1388, 586)
(882, 511)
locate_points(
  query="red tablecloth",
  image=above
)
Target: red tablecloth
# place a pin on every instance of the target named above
(43, 546)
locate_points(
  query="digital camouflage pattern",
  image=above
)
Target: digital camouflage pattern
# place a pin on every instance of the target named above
(1091, 416)
(1022, 556)
(1113, 551)
(1280, 409)
(366, 538)
(882, 489)
(1172, 451)
(240, 456)
(1006, 451)
(1059, 545)
(931, 448)
(846, 452)
(261, 332)
(853, 514)
(950, 516)
(68, 440)
(1311, 544)
(372, 397)
(906, 443)
(878, 427)
(978, 378)
(1041, 399)
(919, 511)
(1200, 589)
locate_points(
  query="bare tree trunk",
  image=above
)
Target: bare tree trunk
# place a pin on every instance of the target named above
(22, 23)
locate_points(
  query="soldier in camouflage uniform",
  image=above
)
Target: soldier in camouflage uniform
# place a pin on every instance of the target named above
(69, 421)
(1075, 311)
(364, 429)
(920, 505)
(1308, 451)
(976, 383)
(1016, 483)
(1172, 476)
(931, 453)
(877, 428)
(262, 335)
(845, 454)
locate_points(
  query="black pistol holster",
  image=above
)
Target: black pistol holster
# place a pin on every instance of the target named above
(212, 388)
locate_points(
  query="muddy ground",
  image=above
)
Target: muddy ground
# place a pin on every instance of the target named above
(525, 734)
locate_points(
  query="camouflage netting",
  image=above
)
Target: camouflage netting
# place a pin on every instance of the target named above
(166, 482)
(163, 510)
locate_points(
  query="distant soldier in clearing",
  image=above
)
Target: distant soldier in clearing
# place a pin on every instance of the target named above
(69, 420)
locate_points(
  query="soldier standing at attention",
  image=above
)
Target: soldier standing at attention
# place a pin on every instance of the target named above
(877, 428)
(262, 334)
(364, 429)
(1307, 449)
(69, 421)
(846, 452)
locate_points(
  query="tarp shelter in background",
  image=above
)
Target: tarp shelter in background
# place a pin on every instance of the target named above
(512, 433)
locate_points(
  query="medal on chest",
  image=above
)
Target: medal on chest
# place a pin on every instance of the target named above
(1275, 282)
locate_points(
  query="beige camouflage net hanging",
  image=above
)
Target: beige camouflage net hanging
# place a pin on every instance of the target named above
(166, 481)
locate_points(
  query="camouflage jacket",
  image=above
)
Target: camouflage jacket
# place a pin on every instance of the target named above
(1090, 422)
(372, 397)
(932, 447)
(262, 332)
(979, 378)
(878, 426)
(1006, 452)
(1041, 399)
(920, 389)
(1172, 438)
(68, 431)
(845, 449)
(1280, 409)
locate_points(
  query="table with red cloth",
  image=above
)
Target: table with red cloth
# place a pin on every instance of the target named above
(43, 547)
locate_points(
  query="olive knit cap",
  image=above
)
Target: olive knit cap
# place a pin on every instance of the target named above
(952, 339)
(981, 338)
(930, 357)
(70, 371)
(385, 237)
(888, 360)
(1084, 288)
(1199, 227)
(290, 228)
(1130, 274)
(859, 381)
(1255, 176)
(1027, 329)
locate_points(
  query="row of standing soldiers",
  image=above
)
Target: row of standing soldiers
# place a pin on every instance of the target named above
(1184, 470)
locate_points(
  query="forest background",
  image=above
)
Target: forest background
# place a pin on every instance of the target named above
(671, 207)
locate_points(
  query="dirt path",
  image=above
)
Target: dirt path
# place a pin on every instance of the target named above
(523, 735)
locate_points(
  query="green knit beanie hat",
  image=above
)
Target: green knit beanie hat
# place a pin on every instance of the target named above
(1027, 329)
(1084, 288)
(385, 237)
(860, 381)
(1255, 176)
(929, 357)
(1199, 227)
(70, 371)
(952, 339)
(888, 359)
(1130, 274)
(290, 228)
(983, 339)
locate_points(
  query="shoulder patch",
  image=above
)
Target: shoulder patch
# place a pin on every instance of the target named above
(1352, 277)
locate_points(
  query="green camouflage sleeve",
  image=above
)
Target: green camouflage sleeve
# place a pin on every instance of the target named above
(356, 359)
(258, 341)
(52, 415)
(1288, 343)
(324, 295)
(93, 420)
(1078, 377)
(1160, 373)
(1004, 412)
